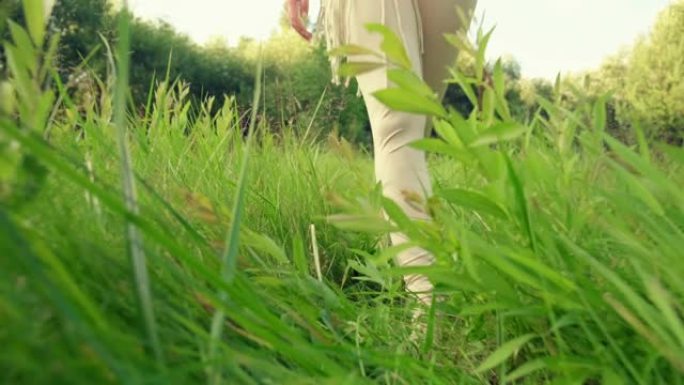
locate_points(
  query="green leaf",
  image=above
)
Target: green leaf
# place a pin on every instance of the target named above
(492, 164)
(438, 146)
(521, 200)
(409, 81)
(134, 237)
(50, 56)
(519, 274)
(627, 291)
(51, 279)
(391, 45)
(547, 272)
(459, 42)
(230, 253)
(299, 255)
(480, 59)
(403, 100)
(504, 352)
(675, 153)
(466, 254)
(526, 369)
(498, 78)
(474, 200)
(488, 105)
(265, 245)
(21, 78)
(8, 98)
(42, 111)
(448, 132)
(351, 69)
(464, 128)
(663, 299)
(500, 132)
(643, 142)
(370, 272)
(499, 83)
(557, 86)
(396, 214)
(34, 12)
(361, 223)
(655, 174)
(390, 253)
(465, 84)
(600, 114)
(638, 190)
(24, 47)
(352, 50)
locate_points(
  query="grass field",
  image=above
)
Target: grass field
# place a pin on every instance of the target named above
(155, 248)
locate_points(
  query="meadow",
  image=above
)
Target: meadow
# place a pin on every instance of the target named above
(190, 243)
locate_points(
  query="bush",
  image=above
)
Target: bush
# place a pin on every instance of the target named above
(654, 79)
(644, 83)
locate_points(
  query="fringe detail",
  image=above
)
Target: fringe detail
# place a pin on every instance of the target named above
(333, 21)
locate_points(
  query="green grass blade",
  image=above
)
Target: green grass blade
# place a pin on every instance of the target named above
(521, 200)
(90, 330)
(229, 256)
(506, 350)
(137, 253)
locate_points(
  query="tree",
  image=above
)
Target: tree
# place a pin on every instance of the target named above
(297, 74)
(654, 85)
(80, 24)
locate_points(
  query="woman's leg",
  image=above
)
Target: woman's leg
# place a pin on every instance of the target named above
(401, 170)
(438, 18)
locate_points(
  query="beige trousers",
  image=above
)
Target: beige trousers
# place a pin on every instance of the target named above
(402, 170)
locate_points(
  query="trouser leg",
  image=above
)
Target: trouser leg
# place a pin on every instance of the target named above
(401, 170)
(438, 18)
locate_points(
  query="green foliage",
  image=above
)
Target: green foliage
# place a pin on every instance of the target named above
(644, 82)
(9, 10)
(654, 78)
(296, 75)
(557, 240)
(558, 247)
(26, 97)
(298, 90)
(159, 53)
(81, 25)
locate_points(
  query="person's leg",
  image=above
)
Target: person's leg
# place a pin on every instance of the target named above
(439, 17)
(401, 170)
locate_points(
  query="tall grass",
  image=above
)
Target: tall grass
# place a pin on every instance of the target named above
(559, 248)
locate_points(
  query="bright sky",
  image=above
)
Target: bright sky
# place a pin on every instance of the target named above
(545, 36)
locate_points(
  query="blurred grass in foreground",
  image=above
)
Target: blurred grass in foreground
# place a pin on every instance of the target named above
(559, 249)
